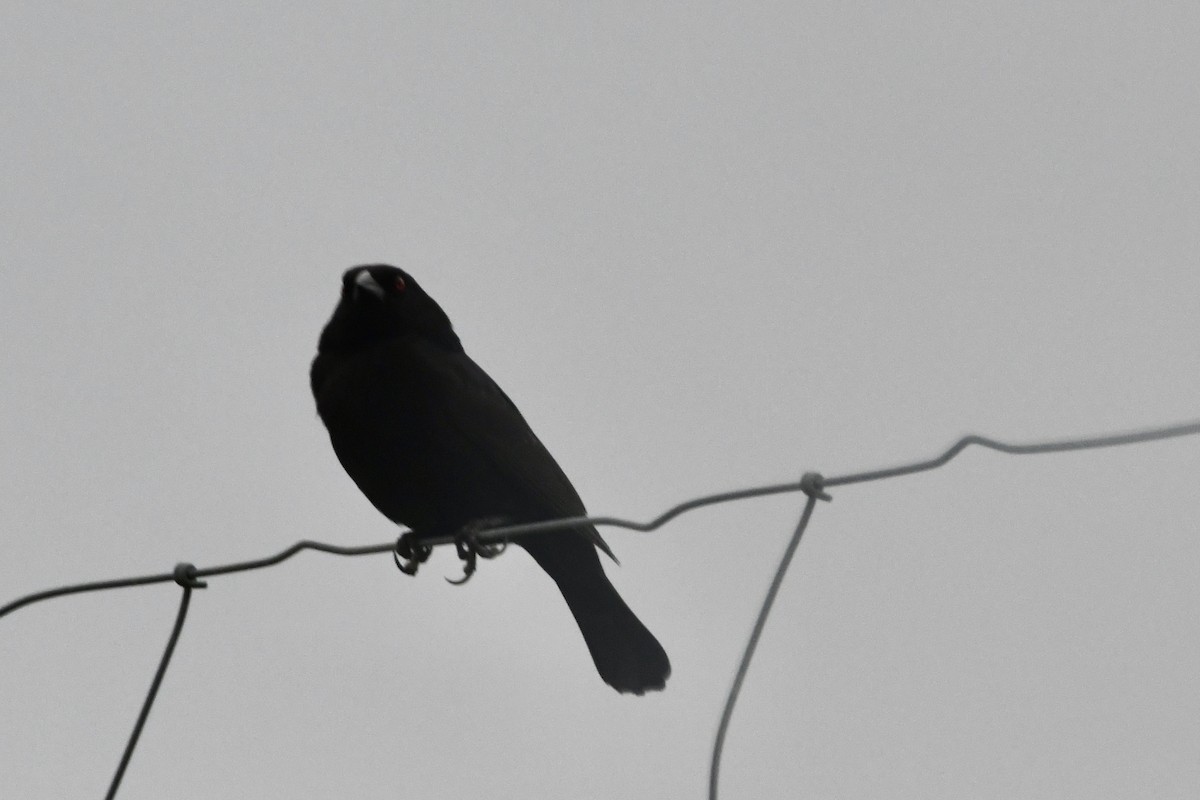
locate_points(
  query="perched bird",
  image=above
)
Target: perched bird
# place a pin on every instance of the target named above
(436, 445)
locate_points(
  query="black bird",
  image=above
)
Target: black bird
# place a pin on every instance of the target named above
(436, 445)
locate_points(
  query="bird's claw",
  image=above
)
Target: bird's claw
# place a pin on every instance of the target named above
(470, 549)
(409, 554)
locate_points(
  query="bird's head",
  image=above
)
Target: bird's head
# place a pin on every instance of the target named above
(380, 301)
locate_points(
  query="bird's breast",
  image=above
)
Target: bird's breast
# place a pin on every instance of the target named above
(380, 426)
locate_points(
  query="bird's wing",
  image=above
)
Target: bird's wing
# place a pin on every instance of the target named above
(492, 427)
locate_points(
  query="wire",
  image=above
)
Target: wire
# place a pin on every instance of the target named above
(510, 531)
(185, 575)
(715, 768)
(1063, 446)
(241, 566)
(812, 484)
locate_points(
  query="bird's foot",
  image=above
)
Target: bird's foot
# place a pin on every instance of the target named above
(409, 554)
(470, 549)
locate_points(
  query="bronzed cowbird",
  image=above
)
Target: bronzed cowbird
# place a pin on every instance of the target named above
(436, 445)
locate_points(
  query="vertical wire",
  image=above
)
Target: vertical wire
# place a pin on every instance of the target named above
(158, 676)
(736, 688)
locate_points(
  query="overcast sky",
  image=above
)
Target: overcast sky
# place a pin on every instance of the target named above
(702, 247)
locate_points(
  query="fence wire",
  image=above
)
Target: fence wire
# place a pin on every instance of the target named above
(812, 484)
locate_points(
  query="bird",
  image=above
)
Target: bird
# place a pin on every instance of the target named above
(437, 446)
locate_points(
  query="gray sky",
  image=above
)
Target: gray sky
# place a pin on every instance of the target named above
(702, 247)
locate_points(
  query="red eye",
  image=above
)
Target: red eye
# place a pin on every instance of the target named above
(399, 285)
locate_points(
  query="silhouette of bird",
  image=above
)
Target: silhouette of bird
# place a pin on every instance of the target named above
(436, 445)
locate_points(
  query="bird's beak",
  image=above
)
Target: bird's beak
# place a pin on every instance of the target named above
(364, 281)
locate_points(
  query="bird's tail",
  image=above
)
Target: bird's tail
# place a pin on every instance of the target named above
(627, 655)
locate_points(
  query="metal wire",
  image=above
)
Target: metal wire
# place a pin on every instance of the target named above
(812, 483)
(1062, 446)
(225, 569)
(815, 483)
(734, 690)
(511, 531)
(158, 676)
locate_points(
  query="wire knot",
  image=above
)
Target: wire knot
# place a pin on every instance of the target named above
(185, 576)
(813, 485)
